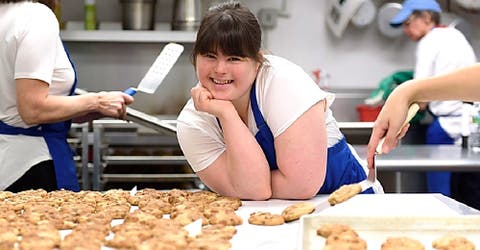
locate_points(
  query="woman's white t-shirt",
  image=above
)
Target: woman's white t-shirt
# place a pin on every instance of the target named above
(30, 47)
(283, 91)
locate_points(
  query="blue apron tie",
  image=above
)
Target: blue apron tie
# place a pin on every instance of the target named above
(55, 135)
(342, 167)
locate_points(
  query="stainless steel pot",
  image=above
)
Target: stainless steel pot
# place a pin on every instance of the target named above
(186, 15)
(138, 14)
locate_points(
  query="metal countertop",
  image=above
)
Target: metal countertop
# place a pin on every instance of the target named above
(425, 158)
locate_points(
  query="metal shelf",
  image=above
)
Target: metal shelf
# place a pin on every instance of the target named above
(128, 36)
(145, 160)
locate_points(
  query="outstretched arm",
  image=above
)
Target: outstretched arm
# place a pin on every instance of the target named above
(36, 106)
(463, 84)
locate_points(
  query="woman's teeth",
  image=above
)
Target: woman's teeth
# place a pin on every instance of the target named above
(222, 81)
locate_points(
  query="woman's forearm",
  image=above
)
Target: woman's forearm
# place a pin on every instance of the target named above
(247, 167)
(462, 84)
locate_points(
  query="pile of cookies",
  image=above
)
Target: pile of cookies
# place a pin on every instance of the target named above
(291, 213)
(32, 219)
(340, 236)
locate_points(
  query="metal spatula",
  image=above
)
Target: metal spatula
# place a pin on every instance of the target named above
(372, 173)
(158, 70)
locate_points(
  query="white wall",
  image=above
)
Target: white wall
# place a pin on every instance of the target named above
(359, 59)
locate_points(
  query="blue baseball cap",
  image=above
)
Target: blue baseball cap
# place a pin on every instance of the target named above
(409, 6)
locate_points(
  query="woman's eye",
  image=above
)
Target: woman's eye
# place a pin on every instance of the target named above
(209, 56)
(235, 59)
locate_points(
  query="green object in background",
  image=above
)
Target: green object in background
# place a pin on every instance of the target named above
(389, 83)
(90, 15)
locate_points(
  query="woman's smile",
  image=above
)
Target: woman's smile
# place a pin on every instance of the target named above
(221, 82)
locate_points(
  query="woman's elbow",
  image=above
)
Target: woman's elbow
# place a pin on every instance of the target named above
(260, 196)
(307, 190)
(29, 118)
(307, 194)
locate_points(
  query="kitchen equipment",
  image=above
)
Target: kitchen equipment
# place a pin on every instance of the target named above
(340, 12)
(368, 113)
(158, 70)
(149, 121)
(138, 14)
(365, 14)
(385, 14)
(186, 15)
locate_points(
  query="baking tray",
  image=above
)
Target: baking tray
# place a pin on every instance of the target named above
(149, 121)
(376, 229)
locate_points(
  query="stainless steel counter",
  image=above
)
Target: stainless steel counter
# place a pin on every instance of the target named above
(407, 161)
(425, 158)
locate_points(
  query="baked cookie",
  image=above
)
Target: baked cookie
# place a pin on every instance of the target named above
(265, 219)
(345, 240)
(329, 229)
(344, 193)
(295, 211)
(226, 218)
(220, 231)
(453, 242)
(402, 243)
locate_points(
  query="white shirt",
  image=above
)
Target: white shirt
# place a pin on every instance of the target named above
(30, 47)
(283, 91)
(441, 51)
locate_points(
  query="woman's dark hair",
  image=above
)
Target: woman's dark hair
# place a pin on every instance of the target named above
(49, 3)
(434, 16)
(231, 28)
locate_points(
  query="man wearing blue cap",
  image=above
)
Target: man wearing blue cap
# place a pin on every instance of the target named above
(440, 49)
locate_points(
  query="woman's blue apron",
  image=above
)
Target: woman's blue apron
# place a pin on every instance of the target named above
(438, 182)
(342, 166)
(55, 135)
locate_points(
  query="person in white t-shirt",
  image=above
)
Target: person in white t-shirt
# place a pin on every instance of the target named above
(37, 82)
(257, 126)
(440, 50)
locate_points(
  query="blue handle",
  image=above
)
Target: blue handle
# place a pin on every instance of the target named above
(130, 91)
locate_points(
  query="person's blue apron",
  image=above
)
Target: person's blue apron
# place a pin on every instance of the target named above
(342, 166)
(438, 182)
(55, 135)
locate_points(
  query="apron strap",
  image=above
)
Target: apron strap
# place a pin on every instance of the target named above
(264, 135)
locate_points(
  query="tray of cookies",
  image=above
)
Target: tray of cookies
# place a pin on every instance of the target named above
(387, 232)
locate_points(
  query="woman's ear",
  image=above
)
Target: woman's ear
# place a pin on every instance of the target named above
(260, 59)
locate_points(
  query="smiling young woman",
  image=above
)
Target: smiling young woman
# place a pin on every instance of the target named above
(257, 126)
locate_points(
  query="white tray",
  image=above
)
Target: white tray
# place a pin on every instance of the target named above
(376, 229)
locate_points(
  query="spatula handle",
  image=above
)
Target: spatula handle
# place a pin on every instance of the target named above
(130, 91)
(410, 114)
